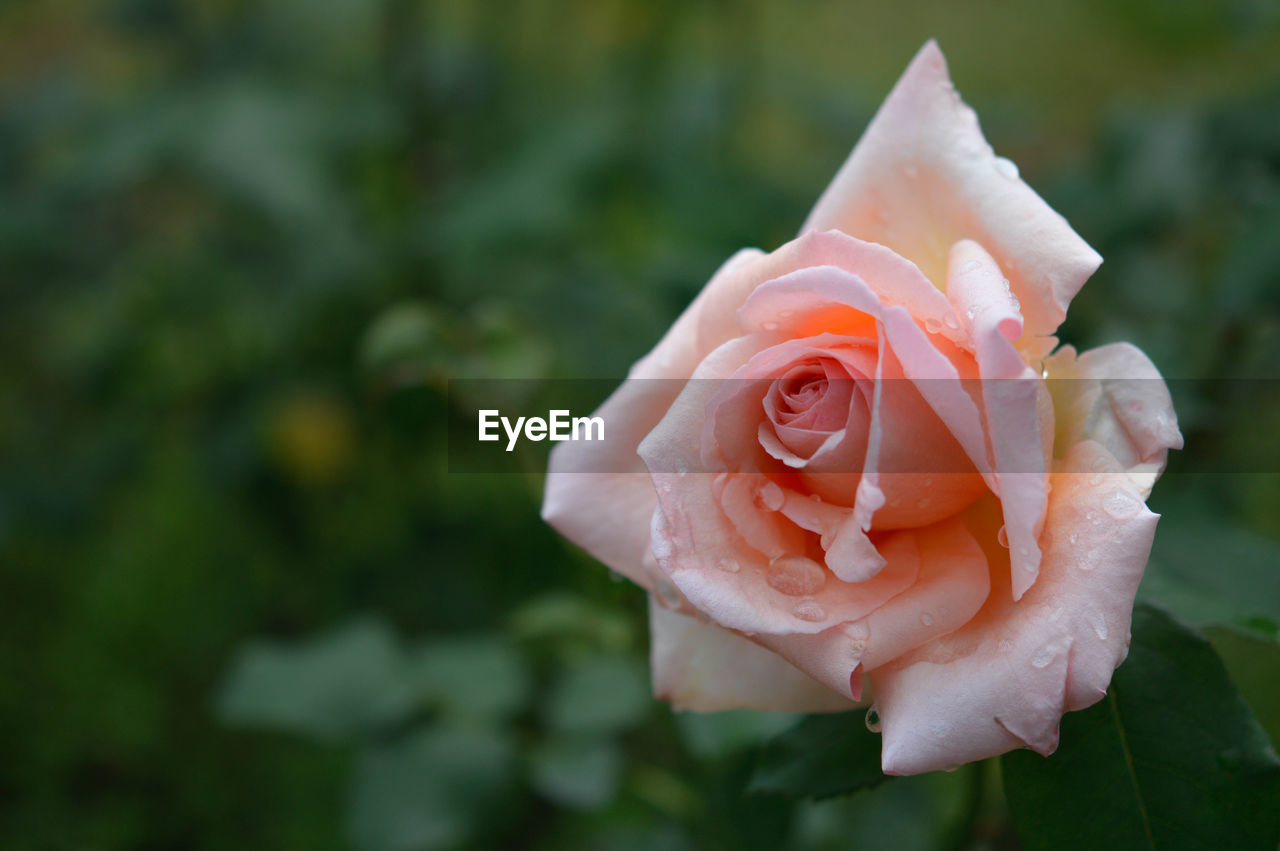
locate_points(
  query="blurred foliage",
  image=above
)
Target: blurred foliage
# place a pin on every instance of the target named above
(245, 245)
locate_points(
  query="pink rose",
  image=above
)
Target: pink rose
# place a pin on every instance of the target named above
(843, 476)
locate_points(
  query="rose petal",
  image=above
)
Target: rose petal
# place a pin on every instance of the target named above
(951, 586)
(1010, 392)
(703, 552)
(703, 668)
(1005, 679)
(923, 176)
(607, 513)
(1114, 394)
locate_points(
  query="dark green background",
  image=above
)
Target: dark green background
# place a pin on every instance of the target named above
(243, 247)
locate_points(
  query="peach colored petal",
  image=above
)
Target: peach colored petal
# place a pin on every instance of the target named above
(1010, 393)
(923, 176)
(1005, 679)
(1114, 394)
(701, 667)
(951, 586)
(702, 550)
(607, 513)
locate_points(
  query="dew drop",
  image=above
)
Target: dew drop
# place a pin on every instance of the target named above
(1073, 538)
(1042, 657)
(1003, 537)
(926, 619)
(770, 496)
(807, 610)
(951, 322)
(729, 565)
(1121, 504)
(1099, 624)
(796, 576)
(856, 631)
(1007, 168)
(932, 325)
(873, 720)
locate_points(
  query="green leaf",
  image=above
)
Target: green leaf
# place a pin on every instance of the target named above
(429, 790)
(482, 675)
(578, 773)
(568, 616)
(1170, 758)
(601, 695)
(347, 681)
(1208, 571)
(714, 735)
(1254, 666)
(821, 756)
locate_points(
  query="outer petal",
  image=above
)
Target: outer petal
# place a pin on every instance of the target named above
(1114, 394)
(598, 494)
(923, 177)
(1010, 391)
(1005, 680)
(704, 668)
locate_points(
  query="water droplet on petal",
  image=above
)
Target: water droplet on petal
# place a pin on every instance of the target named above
(873, 720)
(950, 321)
(796, 576)
(1121, 504)
(1042, 657)
(770, 496)
(1003, 537)
(926, 619)
(1073, 538)
(932, 325)
(807, 610)
(856, 631)
(1007, 168)
(729, 565)
(1099, 624)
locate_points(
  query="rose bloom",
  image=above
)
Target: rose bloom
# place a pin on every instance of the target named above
(849, 474)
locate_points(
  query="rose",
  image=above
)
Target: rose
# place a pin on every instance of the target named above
(850, 462)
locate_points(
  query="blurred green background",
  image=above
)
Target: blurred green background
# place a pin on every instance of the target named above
(242, 248)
